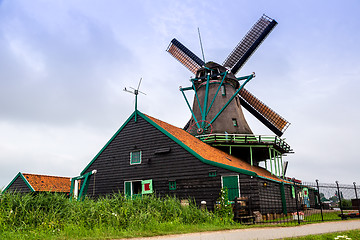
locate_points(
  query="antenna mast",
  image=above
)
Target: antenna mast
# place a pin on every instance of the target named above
(136, 93)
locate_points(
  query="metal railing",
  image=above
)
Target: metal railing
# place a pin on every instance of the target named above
(301, 203)
(243, 139)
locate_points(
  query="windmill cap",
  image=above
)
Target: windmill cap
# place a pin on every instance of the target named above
(214, 69)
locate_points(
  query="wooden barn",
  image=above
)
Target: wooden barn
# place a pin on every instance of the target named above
(147, 155)
(30, 183)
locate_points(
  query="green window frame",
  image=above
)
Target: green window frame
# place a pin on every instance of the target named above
(212, 174)
(172, 185)
(135, 157)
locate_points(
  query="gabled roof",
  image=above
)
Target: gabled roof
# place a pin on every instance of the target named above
(43, 183)
(199, 149)
(209, 154)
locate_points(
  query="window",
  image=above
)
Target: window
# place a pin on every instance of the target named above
(172, 185)
(135, 157)
(138, 187)
(212, 174)
(223, 90)
(234, 122)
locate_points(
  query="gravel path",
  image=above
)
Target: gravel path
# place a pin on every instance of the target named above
(265, 233)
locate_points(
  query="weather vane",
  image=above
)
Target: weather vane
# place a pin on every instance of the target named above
(135, 92)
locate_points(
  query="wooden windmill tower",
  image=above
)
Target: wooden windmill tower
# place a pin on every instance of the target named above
(217, 116)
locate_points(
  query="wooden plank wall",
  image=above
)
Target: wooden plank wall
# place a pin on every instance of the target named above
(19, 186)
(191, 175)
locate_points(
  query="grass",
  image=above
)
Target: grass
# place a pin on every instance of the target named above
(54, 216)
(353, 234)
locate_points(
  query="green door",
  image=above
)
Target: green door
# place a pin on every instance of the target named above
(232, 184)
(128, 189)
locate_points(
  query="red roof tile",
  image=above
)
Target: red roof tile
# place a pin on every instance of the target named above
(44, 183)
(210, 153)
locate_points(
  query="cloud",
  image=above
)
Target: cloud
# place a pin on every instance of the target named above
(63, 66)
(60, 76)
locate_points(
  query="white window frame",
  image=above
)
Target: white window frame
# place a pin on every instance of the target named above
(131, 157)
(132, 188)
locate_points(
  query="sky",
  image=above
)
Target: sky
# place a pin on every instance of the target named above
(64, 65)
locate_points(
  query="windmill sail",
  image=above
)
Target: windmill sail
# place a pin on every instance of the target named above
(263, 113)
(251, 41)
(185, 56)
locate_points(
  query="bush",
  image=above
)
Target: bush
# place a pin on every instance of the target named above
(346, 203)
(223, 207)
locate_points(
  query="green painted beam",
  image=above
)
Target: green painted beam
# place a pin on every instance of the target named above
(197, 96)
(235, 94)
(217, 91)
(275, 164)
(192, 113)
(84, 185)
(251, 156)
(270, 158)
(283, 199)
(205, 100)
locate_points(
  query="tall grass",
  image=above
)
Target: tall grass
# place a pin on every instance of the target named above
(52, 215)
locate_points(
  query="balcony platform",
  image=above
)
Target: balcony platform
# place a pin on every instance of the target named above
(261, 147)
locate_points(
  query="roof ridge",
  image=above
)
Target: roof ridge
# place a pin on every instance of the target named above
(43, 175)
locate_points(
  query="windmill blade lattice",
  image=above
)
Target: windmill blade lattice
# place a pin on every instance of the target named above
(185, 56)
(251, 41)
(263, 113)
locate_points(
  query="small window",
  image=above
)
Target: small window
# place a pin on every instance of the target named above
(234, 122)
(172, 185)
(135, 157)
(212, 174)
(223, 90)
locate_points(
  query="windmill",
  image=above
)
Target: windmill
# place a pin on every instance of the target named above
(219, 94)
(136, 93)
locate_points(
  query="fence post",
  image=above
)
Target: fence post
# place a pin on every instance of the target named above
(341, 208)
(321, 205)
(297, 207)
(357, 200)
(283, 199)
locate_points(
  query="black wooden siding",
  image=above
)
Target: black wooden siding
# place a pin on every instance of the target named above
(191, 175)
(19, 186)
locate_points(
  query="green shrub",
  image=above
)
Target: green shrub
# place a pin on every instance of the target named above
(223, 207)
(346, 203)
